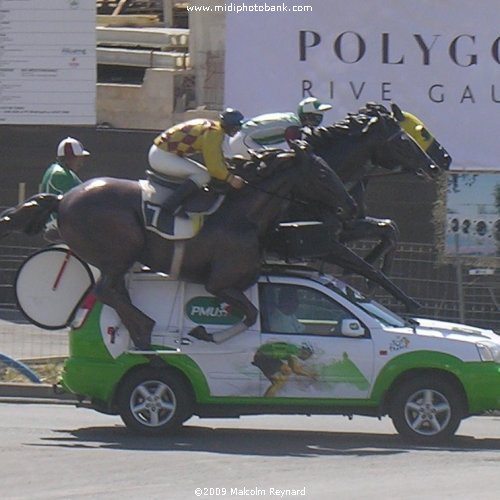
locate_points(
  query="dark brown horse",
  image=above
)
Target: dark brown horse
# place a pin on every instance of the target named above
(101, 221)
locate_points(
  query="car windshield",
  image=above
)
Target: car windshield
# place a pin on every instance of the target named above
(371, 307)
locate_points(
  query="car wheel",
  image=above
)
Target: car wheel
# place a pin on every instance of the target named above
(426, 410)
(154, 401)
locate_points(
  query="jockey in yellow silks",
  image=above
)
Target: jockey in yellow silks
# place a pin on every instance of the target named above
(170, 154)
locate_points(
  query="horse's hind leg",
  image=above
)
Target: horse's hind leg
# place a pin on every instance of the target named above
(239, 300)
(111, 290)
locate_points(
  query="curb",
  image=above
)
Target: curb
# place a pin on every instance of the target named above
(33, 393)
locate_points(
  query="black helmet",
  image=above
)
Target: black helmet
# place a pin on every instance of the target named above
(231, 118)
(307, 349)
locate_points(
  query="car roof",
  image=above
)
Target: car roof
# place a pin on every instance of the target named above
(304, 271)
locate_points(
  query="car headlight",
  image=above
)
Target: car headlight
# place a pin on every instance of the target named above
(489, 352)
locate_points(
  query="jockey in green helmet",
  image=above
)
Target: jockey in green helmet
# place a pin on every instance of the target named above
(277, 130)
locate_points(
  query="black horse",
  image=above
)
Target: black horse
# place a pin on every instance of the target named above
(101, 221)
(357, 148)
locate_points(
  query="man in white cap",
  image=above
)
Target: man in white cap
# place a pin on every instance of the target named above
(62, 175)
(277, 130)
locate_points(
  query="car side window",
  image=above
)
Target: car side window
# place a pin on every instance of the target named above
(295, 309)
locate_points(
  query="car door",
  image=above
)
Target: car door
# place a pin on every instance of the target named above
(227, 367)
(314, 360)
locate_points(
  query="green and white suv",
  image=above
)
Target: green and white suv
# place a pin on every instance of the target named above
(339, 353)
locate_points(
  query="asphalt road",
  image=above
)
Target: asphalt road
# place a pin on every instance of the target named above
(61, 452)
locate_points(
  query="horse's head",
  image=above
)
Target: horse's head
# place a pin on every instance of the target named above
(393, 148)
(416, 129)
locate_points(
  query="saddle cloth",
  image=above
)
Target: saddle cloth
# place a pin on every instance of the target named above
(171, 226)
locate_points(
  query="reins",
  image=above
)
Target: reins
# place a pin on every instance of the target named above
(292, 200)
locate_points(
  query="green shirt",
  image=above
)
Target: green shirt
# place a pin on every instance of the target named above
(279, 350)
(58, 180)
(272, 128)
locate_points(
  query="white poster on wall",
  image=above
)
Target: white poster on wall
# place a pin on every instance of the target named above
(47, 62)
(473, 215)
(440, 60)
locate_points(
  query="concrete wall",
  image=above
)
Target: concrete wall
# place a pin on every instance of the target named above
(150, 106)
(165, 94)
(207, 31)
(28, 150)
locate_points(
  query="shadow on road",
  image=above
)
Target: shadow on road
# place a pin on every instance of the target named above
(270, 443)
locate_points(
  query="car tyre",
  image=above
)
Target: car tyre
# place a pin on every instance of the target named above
(152, 401)
(426, 410)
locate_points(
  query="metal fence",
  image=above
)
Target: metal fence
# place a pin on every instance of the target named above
(20, 340)
(450, 291)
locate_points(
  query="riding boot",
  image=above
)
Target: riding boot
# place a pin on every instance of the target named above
(187, 188)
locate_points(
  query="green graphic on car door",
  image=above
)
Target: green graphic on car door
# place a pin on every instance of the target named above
(292, 370)
(343, 371)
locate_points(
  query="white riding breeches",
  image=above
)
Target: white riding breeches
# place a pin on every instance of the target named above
(171, 165)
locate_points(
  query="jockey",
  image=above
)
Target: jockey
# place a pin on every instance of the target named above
(62, 176)
(277, 130)
(169, 153)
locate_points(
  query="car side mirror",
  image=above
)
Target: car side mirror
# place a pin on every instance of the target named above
(351, 328)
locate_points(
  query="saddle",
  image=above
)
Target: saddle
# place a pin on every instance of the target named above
(185, 223)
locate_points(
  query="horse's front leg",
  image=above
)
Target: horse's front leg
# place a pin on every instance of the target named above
(237, 299)
(388, 233)
(6, 222)
(384, 230)
(347, 259)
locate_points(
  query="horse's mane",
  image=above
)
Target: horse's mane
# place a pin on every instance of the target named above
(354, 124)
(262, 164)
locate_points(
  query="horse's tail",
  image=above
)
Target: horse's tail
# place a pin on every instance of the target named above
(30, 216)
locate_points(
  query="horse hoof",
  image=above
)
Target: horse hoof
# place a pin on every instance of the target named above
(143, 346)
(201, 334)
(141, 343)
(250, 321)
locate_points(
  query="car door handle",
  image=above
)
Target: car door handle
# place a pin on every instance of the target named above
(184, 341)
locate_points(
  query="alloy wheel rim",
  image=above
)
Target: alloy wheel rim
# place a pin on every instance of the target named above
(427, 412)
(153, 403)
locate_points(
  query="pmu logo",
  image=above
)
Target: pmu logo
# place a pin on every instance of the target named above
(211, 311)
